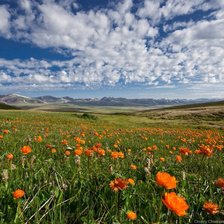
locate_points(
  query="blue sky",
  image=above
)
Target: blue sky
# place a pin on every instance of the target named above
(128, 48)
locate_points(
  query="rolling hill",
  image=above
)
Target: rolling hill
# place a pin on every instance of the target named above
(204, 114)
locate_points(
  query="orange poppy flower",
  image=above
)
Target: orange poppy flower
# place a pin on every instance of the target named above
(39, 139)
(82, 142)
(166, 180)
(154, 147)
(89, 152)
(18, 194)
(1, 137)
(78, 152)
(121, 155)
(175, 203)
(98, 145)
(77, 139)
(131, 181)
(118, 184)
(219, 147)
(53, 150)
(162, 159)
(64, 142)
(133, 167)
(211, 208)
(26, 150)
(197, 151)
(9, 156)
(219, 182)
(185, 151)
(96, 134)
(116, 155)
(101, 152)
(131, 215)
(67, 152)
(178, 158)
(206, 150)
(48, 146)
(5, 131)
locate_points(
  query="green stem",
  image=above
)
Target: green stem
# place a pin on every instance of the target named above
(180, 220)
(19, 214)
(160, 205)
(170, 218)
(89, 168)
(118, 206)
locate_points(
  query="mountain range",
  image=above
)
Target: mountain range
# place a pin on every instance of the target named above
(18, 100)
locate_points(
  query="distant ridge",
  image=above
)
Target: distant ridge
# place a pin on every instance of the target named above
(15, 99)
(18, 100)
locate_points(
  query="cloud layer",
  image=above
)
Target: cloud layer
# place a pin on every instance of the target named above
(153, 43)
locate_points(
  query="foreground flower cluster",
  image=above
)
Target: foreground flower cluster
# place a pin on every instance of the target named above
(57, 169)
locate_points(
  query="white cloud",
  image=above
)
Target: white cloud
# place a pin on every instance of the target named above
(4, 20)
(117, 46)
(151, 10)
(125, 6)
(174, 8)
(155, 10)
(203, 30)
(5, 78)
(26, 5)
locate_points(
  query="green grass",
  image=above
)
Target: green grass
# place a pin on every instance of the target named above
(69, 189)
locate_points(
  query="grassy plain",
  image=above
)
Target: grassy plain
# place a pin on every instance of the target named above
(63, 187)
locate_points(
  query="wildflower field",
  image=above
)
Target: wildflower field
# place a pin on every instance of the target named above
(62, 168)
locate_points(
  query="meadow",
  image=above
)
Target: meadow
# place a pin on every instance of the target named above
(63, 167)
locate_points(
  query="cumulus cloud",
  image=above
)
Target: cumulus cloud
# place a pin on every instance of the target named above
(159, 10)
(4, 20)
(203, 30)
(123, 44)
(26, 5)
